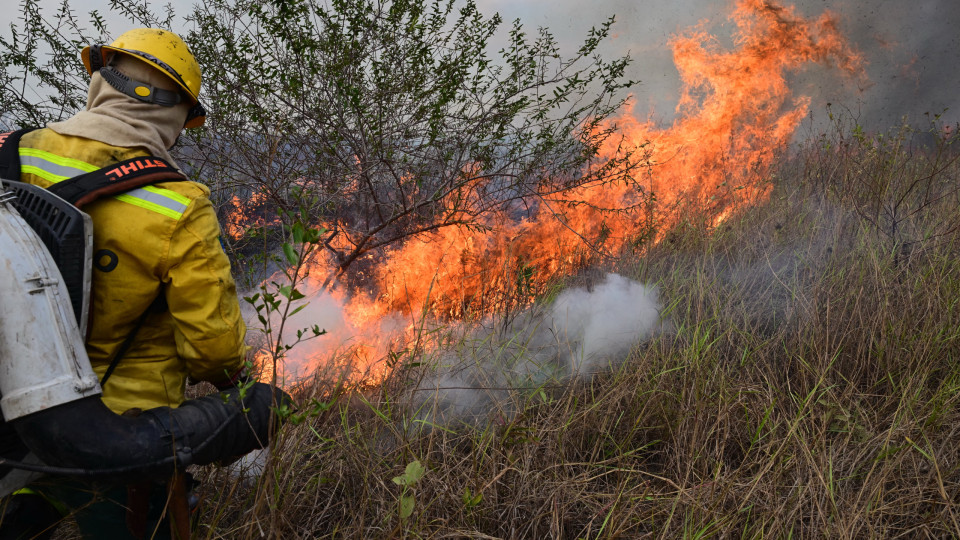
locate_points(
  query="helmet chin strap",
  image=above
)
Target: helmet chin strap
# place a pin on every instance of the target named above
(139, 90)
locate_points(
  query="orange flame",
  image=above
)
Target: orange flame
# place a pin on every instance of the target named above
(242, 216)
(735, 112)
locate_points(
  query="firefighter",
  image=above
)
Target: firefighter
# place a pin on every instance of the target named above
(161, 281)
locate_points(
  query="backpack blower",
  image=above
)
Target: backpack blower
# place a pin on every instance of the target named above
(53, 421)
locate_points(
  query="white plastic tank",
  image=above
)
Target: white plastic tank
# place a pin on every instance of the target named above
(43, 362)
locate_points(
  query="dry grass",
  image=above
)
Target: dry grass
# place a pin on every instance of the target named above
(809, 389)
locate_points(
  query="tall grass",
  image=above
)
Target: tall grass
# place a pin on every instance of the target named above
(808, 388)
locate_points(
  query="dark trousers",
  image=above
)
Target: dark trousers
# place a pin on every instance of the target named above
(100, 510)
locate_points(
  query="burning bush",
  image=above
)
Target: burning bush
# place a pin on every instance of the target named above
(807, 386)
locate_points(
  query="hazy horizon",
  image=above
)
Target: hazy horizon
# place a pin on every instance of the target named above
(912, 49)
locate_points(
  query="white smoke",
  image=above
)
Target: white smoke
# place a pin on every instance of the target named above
(603, 322)
(328, 313)
(484, 368)
(581, 333)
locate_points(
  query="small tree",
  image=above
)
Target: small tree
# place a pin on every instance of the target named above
(393, 116)
(43, 78)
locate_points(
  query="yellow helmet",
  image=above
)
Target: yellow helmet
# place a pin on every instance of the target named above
(160, 49)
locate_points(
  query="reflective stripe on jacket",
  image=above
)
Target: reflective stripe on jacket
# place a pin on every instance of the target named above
(163, 237)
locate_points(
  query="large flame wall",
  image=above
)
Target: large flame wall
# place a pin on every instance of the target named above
(736, 110)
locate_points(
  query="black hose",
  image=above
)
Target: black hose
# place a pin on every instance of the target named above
(85, 438)
(114, 471)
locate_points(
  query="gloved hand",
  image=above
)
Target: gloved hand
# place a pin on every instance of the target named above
(242, 433)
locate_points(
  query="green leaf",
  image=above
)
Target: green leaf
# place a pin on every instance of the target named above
(313, 235)
(297, 232)
(411, 474)
(290, 254)
(414, 472)
(471, 500)
(406, 506)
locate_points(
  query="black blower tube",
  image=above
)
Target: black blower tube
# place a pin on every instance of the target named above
(90, 439)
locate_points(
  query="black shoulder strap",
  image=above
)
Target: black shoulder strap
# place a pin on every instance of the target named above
(115, 179)
(80, 190)
(10, 153)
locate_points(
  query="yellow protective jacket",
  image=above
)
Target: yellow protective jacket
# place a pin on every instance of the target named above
(159, 239)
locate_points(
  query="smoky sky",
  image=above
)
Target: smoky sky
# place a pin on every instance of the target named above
(914, 53)
(912, 48)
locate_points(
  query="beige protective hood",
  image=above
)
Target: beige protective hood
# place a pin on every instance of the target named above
(113, 117)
